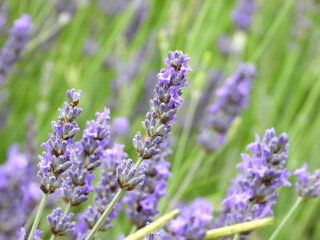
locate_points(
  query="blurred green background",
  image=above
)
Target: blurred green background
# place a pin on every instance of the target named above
(87, 45)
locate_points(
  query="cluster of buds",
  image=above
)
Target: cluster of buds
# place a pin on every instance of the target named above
(163, 106)
(57, 157)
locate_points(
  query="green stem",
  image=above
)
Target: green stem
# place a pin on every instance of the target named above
(106, 213)
(285, 219)
(66, 211)
(188, 178)
(109, 208)
(53, 237)
(38, 215)
(236, 236)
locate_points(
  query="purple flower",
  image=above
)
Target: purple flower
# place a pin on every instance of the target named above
(105, 189)
(59, 223)
(242, 14)
(37, 234)
(232, 98)
(163, 107)
(143, 203)
(87, 155)
(22, 233)
(192, 222)
(12, 49)
(19, 193)
(307, 186)
(128, 176)
(57, 157)
(253, 192)
(120, 129)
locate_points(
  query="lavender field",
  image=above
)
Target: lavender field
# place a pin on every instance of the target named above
(173, 120)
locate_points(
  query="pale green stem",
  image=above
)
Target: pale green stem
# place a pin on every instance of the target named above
(53, 237)
(106, 213)
(285, 219)
(38, 215)
(188, 178)
(236, 236)
(66, 211)
(109, 208)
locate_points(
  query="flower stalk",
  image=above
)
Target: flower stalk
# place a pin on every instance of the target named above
(285, 219)
(38, 215)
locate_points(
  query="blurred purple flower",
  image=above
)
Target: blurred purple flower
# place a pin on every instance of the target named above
(12, 49)
(242, 14)
(232, 98)
(192, 222)
(307, 186)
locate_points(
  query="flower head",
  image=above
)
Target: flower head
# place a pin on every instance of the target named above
(307, 186)
(168, 91)
(59, 223)
(253, 192)
(232, 98)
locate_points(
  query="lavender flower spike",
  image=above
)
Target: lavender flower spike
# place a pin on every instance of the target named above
(163, 107)
(57, 157)
(232, 98)
(105, 190)
(307, 186)
(242, 14)
(128, 177)
(87, 156)
(253, 192)
(59, 223)
(192, 222)
(143, 203)
(22, 234)
(12, 49)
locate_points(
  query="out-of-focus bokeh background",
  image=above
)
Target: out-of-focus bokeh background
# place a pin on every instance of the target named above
(113, 49)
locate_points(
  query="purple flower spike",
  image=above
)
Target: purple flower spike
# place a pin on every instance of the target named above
(242, 14)
(128, 176)
(12, 49)
(307, 186)
(143, 203)
(163, 107)
(19, 192)
(192, 222)
(105, 189)
(232, 98)
(253, 192)
(57, 157)
(59, 223)
(88, 154)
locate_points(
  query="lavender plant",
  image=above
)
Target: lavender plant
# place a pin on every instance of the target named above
(307, 187)
(158, 123)
(18, 192)
(192, 222)
(56, 159)
(233, 97)
(253, 191)
(143, 203)
(12, 50)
